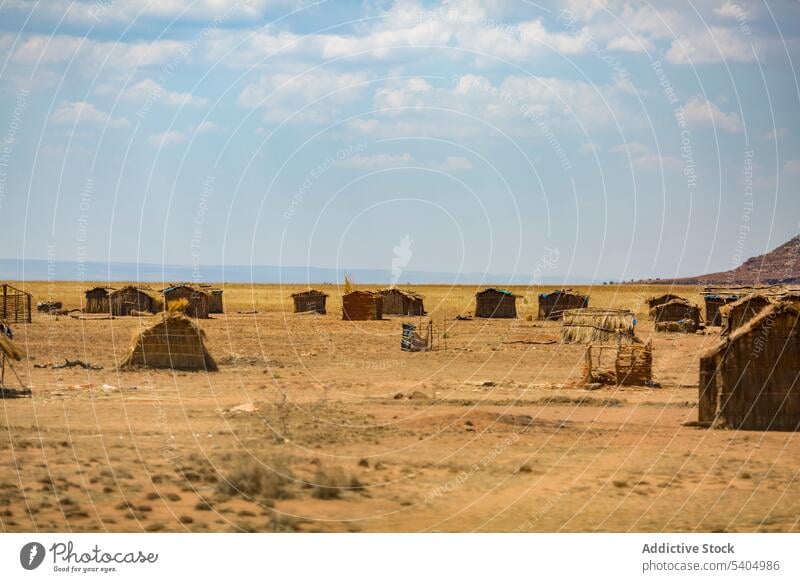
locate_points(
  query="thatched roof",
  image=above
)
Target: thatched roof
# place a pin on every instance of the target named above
(663, 298)
(572, 292)
(496, 290)
(173, 341)
(409, 294)
(765, 317)
(593, 325)
(309, 292)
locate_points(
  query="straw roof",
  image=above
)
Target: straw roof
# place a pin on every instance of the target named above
(174, 342)
(593, 325)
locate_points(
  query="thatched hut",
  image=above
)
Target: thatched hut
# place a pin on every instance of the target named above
(495, 303)
(660, 300)
(751, 380)
(97, 300)
(131, 301)
(197, 300)
(553, 305)
(633, 365)
(15, 305)
(736, 314)
(362, 306)
(598, 326)
(398, 302)
(715, 301)
(683, 313)
(310, 301)
(174, 342)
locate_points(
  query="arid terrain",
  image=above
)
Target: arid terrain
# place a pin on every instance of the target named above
(302, 429)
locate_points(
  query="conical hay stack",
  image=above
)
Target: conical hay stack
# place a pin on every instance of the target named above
(173, 342)
(598, 326)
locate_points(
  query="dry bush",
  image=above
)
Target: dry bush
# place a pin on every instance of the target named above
(177, 306)
(331, 483)
(259, 480)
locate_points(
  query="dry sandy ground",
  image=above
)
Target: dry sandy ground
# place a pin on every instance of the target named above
(499, 438)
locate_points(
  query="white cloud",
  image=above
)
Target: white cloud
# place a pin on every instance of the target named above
(732, 10)
(711, 46)
(166, 138)
(377, 161)
(208, 127)
(404, 94)
(84, 112)
(700, 111)
(631, 44)
(316, 97)
(149, 91)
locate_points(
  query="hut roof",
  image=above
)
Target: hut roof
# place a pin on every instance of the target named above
(410, 294)
(680, 301)
(309, 292)
(563, 292)
(744, 301)
(497, 290)
(95, 289)
(663, 298)
(144, 290)
(765, 316)
(598, 325)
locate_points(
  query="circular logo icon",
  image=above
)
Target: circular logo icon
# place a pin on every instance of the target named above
(31, 555)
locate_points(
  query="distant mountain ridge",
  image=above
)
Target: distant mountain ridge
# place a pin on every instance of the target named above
(781, 265)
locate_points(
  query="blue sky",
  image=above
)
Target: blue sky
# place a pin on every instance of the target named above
(633, 140)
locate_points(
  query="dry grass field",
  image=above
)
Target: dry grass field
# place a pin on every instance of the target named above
(302, 429)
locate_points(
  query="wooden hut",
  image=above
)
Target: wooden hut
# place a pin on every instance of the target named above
(132, 300)
(553, 305)
(97, 300)
(197, 299)
(311, 300)
(736, 314)
(174, 342)
(215, 300)
(598, 326)
(751, 380)
(495, 303)
(398, 302)
(633, 365)
(15, 305)
(676, 315)
(660, 300)
(362, 306)
(714, 301)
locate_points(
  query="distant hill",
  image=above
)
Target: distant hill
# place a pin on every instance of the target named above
(781, 265)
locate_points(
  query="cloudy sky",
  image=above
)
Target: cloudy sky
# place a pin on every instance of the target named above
(597, 138)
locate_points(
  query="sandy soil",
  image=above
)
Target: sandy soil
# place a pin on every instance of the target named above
(301, 430)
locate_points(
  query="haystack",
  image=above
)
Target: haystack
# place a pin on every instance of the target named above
(751, 380)
(495, 303)
(553, 305)
(310, 301)
(683, 313)
(598, 326)
(174, 342)
(362, 306)
(736, 314)
(399, 302)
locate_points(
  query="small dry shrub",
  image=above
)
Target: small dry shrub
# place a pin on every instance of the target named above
(331, 483)
(262, 480)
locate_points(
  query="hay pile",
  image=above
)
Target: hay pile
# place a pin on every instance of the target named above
(592, 325)
(173, 342)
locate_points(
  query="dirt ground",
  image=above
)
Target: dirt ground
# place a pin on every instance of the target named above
(301, 429)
